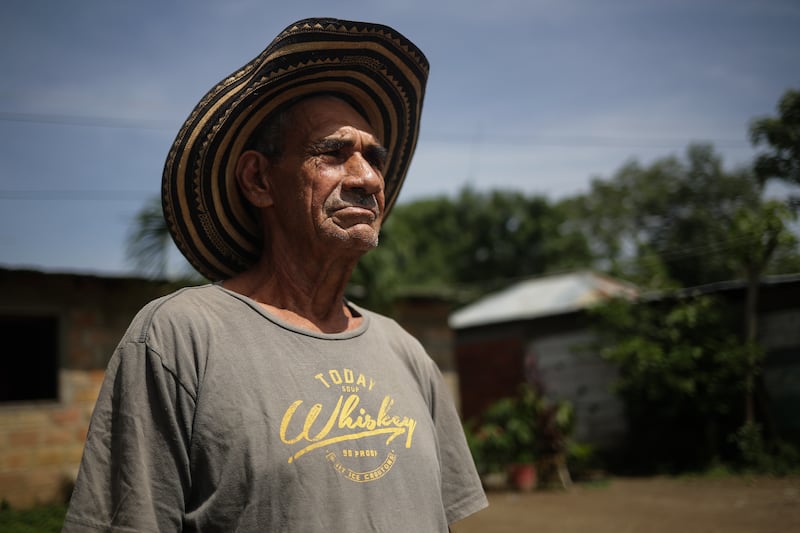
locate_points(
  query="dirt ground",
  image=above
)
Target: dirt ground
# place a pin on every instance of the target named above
(653, 505)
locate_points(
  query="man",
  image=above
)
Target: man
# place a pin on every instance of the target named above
(266, 401)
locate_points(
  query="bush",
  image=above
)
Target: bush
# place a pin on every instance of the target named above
(522, 429)
(756, 456)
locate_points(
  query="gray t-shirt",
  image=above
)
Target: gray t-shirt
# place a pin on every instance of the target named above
(217, 416)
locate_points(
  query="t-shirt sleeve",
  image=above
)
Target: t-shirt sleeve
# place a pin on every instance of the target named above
(135, 475)
(462, 492)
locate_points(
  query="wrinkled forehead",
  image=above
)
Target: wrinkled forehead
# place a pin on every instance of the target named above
(326, 114)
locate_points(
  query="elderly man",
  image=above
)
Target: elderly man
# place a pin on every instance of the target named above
(266, 401)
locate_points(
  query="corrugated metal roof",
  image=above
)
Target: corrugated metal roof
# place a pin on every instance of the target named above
(550, 295)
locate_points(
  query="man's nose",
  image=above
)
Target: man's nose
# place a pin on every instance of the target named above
(362, 175)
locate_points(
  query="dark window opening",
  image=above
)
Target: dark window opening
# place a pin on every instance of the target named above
(29, 364)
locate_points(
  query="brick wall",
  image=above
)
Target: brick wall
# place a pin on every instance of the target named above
(41, 443)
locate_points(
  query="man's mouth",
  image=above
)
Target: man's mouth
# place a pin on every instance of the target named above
(358, 204)
(357, 210)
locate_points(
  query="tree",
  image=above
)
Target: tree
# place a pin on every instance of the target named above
(475, 242)
(148, 241)
(665, 224)
(758, 233)
(681, 369)
(149, 245)
(781, 134)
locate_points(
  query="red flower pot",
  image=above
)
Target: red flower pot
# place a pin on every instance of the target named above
(522, 476)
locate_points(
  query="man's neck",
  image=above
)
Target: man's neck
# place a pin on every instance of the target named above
(310, 296)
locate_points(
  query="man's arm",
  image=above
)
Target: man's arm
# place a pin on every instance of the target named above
(462, 492)
(134, 474)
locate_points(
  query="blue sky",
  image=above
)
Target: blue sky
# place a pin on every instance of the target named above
(533, 95)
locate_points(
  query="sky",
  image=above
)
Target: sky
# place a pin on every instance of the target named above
(540, 96)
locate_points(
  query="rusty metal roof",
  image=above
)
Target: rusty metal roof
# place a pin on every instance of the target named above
(539, 297)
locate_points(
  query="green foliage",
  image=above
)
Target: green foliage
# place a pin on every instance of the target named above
(475, 242)
(750, 442)
(666, 224)
(781, 135)
(506, 434)
(759, 235)
(682, 374)
(583, 461)
(37, 520)
(757, 456)
(519, 429)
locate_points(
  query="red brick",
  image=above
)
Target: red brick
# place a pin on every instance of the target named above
(96, 376)
(50, 456)
(16, 460)
(57, 436)
(66, 416)
(81, 433)
(73, 454)
(87, 394)
(23, 439)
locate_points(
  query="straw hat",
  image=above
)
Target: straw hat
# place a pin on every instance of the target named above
(373, 66)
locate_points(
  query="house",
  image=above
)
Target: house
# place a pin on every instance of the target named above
(536, 331)
(58, 331)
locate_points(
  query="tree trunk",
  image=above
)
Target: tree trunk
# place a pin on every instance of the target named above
(751, 332)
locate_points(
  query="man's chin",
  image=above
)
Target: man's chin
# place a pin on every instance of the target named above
(365, 241)
(361, 237)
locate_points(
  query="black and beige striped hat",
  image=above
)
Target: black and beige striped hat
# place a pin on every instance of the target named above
(372, 66)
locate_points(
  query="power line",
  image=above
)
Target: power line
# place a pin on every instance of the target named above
(557, 141)
(593, 141)
(94, 195)
(91, 122)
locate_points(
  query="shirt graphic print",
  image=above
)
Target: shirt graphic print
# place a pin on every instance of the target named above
(351, 422)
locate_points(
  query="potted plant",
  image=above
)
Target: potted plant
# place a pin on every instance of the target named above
(490, 447)
(506, 440)
(521, 425)
(555, 423)
(523, 436)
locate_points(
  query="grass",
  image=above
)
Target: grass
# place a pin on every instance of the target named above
(42, 519)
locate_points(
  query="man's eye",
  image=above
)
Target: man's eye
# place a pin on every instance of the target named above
(376, 156)
(377, 163)
(334, 155)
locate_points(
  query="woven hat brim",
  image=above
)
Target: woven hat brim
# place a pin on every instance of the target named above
(371, 65)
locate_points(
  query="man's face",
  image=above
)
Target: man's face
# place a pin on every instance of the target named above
(327, 186)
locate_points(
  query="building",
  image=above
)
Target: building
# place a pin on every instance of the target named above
(59, 330)
(537, 331)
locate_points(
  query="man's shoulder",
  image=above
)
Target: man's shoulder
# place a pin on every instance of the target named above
(182, 300)
(182, 306)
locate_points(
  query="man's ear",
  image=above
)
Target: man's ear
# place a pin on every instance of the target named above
(251, 175)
